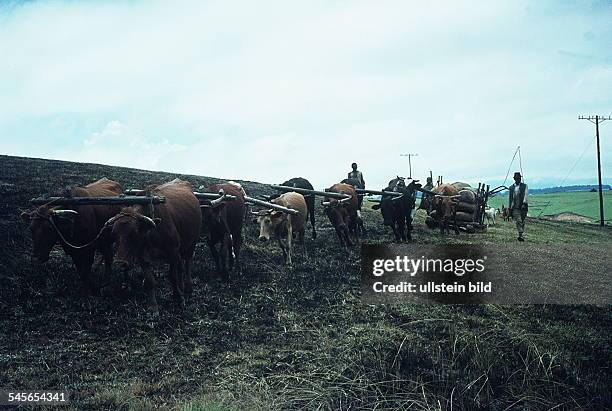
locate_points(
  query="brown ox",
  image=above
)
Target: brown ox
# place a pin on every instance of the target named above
(280, 225)
(168, 235)
(222, 224)
(78, 229)
(342, 214)
(444, 203)
(505, 213)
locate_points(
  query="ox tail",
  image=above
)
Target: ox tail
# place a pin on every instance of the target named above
(232, 246)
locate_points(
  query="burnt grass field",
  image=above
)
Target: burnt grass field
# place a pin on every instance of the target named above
(273, 338)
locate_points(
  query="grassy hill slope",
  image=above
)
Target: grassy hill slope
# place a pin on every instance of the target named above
(273, 338)
(580, 202)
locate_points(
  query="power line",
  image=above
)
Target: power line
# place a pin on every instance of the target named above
(510, 165)
(598, 119)
(571, 169)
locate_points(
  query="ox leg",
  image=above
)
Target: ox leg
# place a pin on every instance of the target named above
(108, 263)
(188, 262)
(150, 286)
(347, 235)
(409, 228)
(290, 244)
(176, 279)
(231, 253)
(83, 266)
(396, 235)
(215, 255)
(402, 229)
(301, 240)
(357, 226)
(455, 226)
(283, 248)
(311, 212)
(340, 234)
(223, 257)
(188, 287)
(237, 245)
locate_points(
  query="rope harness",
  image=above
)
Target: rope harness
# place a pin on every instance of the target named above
(38, 215)
(63, 238)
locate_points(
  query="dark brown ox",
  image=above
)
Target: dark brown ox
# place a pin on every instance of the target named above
(444, 202)
(222, 225)
(342, 213)
(165, 233)
(397, 211)
(78, 229)
(282, 226)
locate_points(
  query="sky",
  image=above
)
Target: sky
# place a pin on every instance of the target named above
(270, 90)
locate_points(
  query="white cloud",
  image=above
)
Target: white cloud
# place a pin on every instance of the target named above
(120, 145)
(270, 90)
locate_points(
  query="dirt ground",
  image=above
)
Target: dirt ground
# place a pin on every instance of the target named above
(273, 338)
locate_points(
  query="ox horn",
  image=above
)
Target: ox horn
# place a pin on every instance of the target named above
(344, 200)
(147, 220)
(217, 201)
(326, 203)
(113, 219)
(262, 212)
(65, 213)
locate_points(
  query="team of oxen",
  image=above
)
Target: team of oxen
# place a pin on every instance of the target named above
(163, 224)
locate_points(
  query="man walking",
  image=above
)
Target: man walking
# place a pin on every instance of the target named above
(517, 204)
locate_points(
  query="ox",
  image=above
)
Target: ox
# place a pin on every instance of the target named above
(79, 230)
(222, 225)
(397, 211)
(282, 226)
(342, 214)
(444, 202)
(299, 182)
(356, 183)
(165, 233)
(505, 213)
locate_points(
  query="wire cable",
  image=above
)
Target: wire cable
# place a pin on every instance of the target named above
(572, 169)
(510, 165)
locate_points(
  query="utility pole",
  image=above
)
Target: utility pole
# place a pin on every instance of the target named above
(409, 162)
(598, 119)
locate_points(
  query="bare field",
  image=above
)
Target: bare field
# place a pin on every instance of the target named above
(272, 338)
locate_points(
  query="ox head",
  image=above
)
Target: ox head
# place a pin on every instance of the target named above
(270, 222)
(387, 210)
(130, 229)
(445, 207)
(337, 211)
(44, 224)
(213, 212)
(398, 184)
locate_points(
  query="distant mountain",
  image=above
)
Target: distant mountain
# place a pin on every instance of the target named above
(564, 189)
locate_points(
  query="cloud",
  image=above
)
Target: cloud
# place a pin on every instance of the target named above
(120, 145)
(271, 90)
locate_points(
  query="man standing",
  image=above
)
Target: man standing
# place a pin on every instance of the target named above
(518, 204)
(359, 182)
(357, 175)
(356, 178)
(427, 199)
